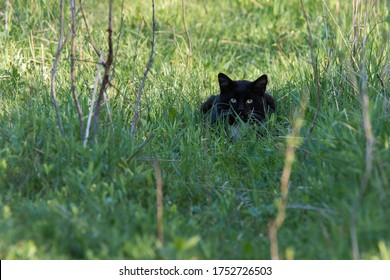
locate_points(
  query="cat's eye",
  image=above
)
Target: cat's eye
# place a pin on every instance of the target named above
(233, 100)
(249, 101)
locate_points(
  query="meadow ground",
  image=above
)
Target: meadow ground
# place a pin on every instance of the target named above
(61, 200)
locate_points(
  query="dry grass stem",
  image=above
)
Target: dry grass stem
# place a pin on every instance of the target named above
(293, 142)
(149, 65)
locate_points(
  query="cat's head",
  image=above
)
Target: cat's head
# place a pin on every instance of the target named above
(243, 99)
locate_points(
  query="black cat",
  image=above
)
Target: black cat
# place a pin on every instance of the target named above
(239, 101)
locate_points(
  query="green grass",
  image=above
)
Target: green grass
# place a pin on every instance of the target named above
(60, 200)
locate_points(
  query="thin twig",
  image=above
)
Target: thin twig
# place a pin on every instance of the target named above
(315, 72)
(97, 77)
(91, 40)
(149, 65)
(292, 144)
(382, 84)
(60, 46)
(140, 147)
(91, 107)
(135, 55)
(117, 41)
(385, 98)
(356, 29)
(113, 67)
(106, 75)
(89, 61)
(72, 68)
(189, 45)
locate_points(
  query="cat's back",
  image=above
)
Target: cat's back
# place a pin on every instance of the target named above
(209, 103)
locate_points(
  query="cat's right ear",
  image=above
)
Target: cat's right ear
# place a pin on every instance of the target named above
(260, 84)
(224, 82)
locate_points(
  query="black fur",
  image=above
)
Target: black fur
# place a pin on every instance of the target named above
(239, 101)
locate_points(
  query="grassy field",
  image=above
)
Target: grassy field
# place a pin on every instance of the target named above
(61, 200)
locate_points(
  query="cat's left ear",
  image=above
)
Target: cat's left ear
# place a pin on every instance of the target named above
(225, 83)
(260, 84)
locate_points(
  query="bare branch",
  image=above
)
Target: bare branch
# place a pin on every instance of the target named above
(189, 46)
(106, 75)
(117, 40)
(113, 67)
(136, 109)
(89, 33)
(60, 46)
(72, 68)
(103, 82)
(91, 107)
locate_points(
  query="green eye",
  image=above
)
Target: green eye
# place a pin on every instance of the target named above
(249, 101)
(233, 100)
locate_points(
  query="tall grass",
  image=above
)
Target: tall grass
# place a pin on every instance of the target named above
(62, 200)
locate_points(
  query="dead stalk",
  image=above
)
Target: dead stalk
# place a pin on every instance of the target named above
(60, 46)
(149, 65)
(117, 41)
(135, 55)
(113, 67)
(91, 107)
(106, 76)
(293, 141)
(355, 27)
(91, 40)
(72, 68)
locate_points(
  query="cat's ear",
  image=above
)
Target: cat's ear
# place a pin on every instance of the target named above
(260, 84)
(224, 82)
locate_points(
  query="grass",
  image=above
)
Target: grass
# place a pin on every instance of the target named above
(60, 200)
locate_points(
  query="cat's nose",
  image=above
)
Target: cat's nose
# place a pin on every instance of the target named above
(241, 107)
